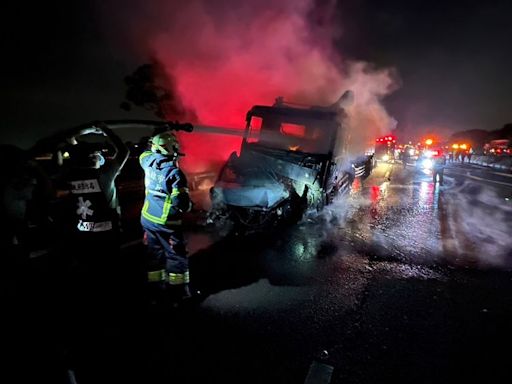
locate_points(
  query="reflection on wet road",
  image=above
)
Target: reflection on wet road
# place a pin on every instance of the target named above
(411, 219)
(387, 284)
(379, 272)
(395, 215)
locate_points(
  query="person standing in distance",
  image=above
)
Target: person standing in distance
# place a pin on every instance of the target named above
(439, 163)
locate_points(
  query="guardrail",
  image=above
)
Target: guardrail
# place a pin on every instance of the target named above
(363, 168)
(498, 162)
(359, 170)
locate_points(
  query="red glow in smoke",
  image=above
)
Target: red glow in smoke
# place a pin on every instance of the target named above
(226, 56)
(206, 152)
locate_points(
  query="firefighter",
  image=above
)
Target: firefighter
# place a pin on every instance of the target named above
(439, 161)
(89, 212)
(166, 201)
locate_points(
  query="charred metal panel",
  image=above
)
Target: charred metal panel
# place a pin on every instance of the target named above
(264, 197)
(284, 168)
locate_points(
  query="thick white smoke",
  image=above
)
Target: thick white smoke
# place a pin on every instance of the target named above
(480, 223)
(417, 223)
(367, 117)
(227, 55)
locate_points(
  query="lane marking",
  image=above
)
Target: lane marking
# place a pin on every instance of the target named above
(490, 181)
(502, 174)
(466, 173)
(38, 253)
(319, 373)
(485, 168)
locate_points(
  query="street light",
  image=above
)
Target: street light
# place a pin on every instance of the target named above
(429, 141)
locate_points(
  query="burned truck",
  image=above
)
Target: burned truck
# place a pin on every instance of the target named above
(293, 158)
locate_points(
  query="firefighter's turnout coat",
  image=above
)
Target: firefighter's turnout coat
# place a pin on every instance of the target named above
(166, 189)
(166, 200)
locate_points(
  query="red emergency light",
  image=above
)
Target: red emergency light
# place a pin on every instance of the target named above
(386, 139)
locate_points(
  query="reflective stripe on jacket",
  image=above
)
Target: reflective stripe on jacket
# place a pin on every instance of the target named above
(90, 205)
(172, 278)
(166, 189)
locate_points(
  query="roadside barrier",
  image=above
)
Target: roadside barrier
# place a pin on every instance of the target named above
(503, 163)
(359, 170)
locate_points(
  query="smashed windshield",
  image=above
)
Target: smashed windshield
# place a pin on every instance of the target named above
(292, 134)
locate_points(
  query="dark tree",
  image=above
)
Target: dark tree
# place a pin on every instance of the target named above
(504, 133)
(478, 137)
(152, 88)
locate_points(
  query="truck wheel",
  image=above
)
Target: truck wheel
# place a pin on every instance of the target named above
(295, 207)
(251, 219)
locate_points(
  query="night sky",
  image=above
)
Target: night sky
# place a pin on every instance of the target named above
(64, 64)
(454, 59)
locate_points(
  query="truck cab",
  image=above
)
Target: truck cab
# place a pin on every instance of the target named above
(292, 157)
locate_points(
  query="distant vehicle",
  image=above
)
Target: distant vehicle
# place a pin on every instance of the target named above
(292, 158)
(409, 153)
(385, 148)
(413, 152)
(501, 147)
(425, 161)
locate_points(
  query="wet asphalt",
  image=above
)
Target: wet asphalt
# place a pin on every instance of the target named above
(399, 281)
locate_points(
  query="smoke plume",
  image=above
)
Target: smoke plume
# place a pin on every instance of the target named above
(367, 117)
(479, 223)
(226, 56)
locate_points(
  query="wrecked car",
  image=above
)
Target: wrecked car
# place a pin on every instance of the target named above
(292, 158)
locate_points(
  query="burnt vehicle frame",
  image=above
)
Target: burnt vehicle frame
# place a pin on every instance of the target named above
(293, 158)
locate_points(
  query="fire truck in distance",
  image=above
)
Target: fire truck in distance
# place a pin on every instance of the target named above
(292, 158)
(385, 148)
(502, 147)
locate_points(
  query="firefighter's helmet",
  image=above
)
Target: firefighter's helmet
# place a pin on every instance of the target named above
(166, 143)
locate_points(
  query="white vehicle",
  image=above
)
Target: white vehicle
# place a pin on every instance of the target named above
(425, 162)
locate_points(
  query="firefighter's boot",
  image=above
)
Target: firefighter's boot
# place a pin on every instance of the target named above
(156, 293)
(178, 294)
